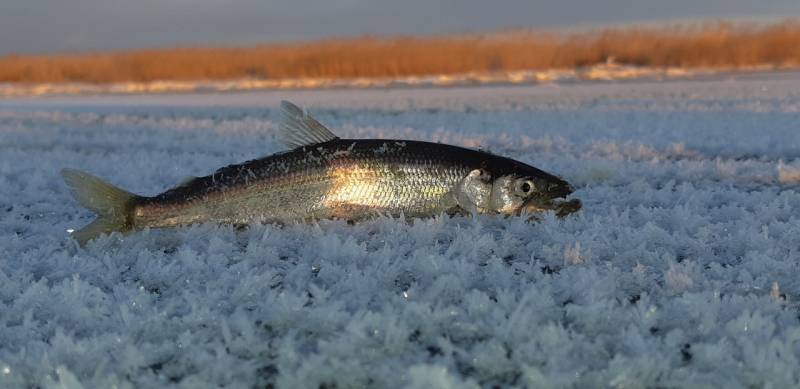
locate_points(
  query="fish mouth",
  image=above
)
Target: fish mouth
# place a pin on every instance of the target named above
(555, 199)
(566, 207)
(562, 207)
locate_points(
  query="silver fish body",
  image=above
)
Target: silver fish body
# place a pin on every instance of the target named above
(325, 177)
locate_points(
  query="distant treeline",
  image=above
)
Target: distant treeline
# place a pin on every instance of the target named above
(720, 44)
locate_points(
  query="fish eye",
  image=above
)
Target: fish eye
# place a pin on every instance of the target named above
(526, 186)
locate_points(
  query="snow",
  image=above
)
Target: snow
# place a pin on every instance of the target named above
(679, 271)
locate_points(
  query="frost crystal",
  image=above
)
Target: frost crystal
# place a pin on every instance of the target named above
(679, 271)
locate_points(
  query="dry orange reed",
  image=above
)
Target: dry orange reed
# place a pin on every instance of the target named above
(719, 44)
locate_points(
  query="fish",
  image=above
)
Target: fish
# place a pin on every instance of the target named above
(322, 176)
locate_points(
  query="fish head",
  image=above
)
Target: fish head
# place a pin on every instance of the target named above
(515, 194)
(550, 194)
(512, 188)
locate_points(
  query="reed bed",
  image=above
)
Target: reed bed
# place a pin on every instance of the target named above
(718, 45)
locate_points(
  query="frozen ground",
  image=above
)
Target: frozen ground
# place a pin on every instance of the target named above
(680, 271)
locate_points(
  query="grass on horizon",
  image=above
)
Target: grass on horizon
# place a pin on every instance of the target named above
(719, 44)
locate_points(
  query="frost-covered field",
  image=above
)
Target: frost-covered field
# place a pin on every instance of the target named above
(682, 269)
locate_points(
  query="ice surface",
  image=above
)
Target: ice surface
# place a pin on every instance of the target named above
(681, 270)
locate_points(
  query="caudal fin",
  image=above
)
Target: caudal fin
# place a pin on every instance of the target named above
(113, 206)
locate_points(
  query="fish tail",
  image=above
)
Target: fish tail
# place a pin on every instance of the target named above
(113, 206)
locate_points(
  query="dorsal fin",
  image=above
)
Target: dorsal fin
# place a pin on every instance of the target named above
(299, 129)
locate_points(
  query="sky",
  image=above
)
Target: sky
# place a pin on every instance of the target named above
(48, 26)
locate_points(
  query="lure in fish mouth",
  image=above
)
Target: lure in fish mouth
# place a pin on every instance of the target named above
(324, 177)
